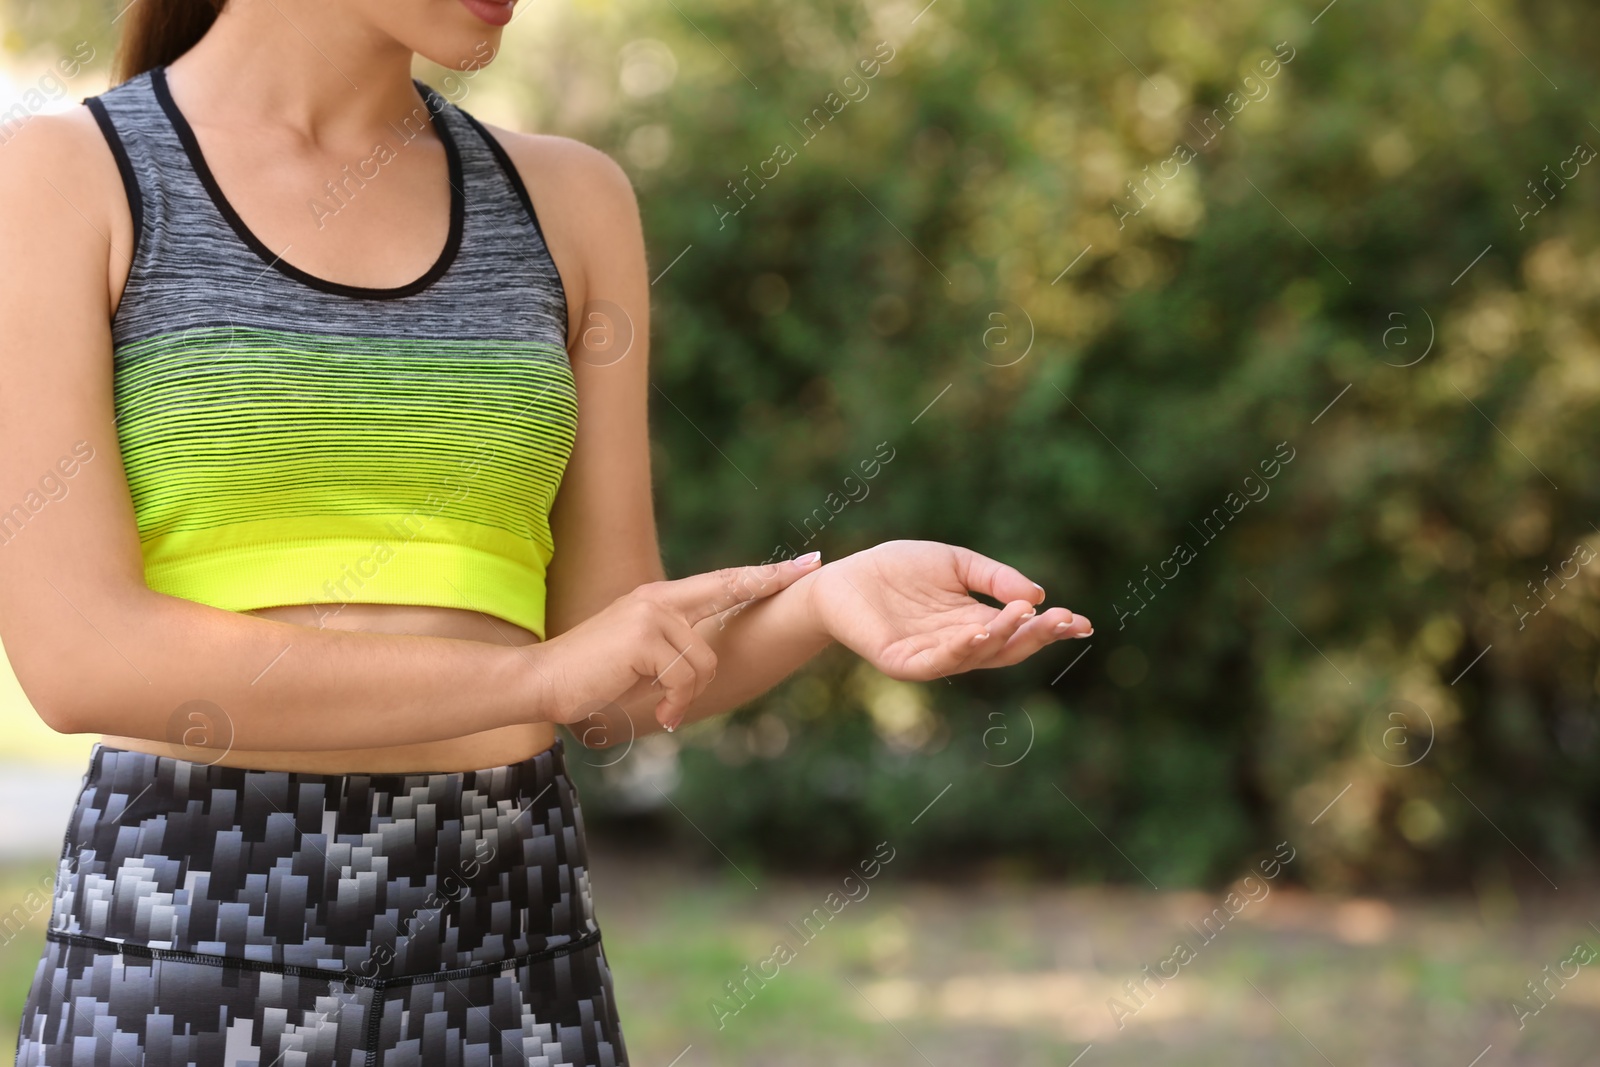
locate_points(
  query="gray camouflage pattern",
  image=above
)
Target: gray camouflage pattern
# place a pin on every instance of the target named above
(214, 915)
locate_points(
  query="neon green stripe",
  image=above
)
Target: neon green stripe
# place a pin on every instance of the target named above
(263, 462)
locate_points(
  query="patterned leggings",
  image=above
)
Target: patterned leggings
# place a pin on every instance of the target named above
(215, 916)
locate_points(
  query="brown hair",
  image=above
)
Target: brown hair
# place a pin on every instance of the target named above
(159, 31)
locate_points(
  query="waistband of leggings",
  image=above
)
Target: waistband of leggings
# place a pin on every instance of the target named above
(134, 766)
(375, 875)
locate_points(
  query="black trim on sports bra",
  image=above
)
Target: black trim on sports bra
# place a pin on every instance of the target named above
(521, 189)
(191, 146)
(130, 183)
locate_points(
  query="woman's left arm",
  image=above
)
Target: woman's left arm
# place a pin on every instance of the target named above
(902, 605)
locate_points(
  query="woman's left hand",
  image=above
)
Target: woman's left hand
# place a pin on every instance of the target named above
(904, 606)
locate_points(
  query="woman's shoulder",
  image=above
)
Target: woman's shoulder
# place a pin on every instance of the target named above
(584, 199)
(564, 165)
(66, 238)
(61, 167)
(39, 140)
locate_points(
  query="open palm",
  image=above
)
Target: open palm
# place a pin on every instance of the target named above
(906, 607)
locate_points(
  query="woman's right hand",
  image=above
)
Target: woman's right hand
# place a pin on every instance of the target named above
(645, 642)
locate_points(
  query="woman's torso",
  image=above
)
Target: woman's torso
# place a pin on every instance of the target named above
(361, 244)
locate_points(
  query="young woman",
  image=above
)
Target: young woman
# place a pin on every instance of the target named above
(295, 361)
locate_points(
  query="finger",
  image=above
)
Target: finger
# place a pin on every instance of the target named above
(676, 679)
(691, 669)
(697, 656)
(992, 578)
(1057, 624)
(997, 634)
(701, 596)
(941, 654)
(1079, 626)
(1060, 624)
(642, 697)
(1036, 633)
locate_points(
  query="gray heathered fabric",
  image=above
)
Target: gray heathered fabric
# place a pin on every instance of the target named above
(192, 269)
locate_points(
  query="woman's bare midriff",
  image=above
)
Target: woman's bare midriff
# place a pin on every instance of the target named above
(491, 748)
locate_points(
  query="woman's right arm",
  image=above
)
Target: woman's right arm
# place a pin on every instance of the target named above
(96, 650)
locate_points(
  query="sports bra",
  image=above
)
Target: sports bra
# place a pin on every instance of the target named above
(292, 440)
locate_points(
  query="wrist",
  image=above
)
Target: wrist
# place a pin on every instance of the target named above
(534, 694)
(812, 619)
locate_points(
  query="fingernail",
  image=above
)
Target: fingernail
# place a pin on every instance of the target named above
(978, 638)
(806, 560)
(1087, 633)
(674, 723)
(1061, 627)
(1028, 615)
(1039, 587)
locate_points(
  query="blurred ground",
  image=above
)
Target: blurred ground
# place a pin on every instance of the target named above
(1020, 975)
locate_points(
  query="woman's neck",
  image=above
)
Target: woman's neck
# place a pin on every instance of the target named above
(309, 65)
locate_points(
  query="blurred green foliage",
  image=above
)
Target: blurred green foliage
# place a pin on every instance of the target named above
(903, 277)
(1312, 248)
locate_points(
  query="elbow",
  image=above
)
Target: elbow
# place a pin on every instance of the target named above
(58, 703)
(87, 705)
(66, 721)
(72, 682)
(64, 692)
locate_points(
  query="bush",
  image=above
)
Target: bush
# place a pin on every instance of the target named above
(1336, 288)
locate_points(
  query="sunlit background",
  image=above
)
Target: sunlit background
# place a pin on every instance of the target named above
(1263, 332)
